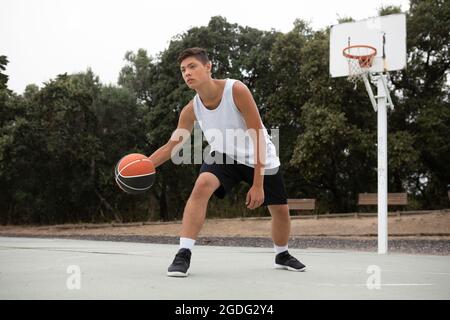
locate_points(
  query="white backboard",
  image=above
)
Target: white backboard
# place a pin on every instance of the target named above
(370, 32)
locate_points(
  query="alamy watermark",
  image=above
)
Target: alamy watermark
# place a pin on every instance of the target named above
(236, 144)
(73, 282)
(374, 280)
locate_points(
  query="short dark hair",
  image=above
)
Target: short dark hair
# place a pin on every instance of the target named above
(196, 52)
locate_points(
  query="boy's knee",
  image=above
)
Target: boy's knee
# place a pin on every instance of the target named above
(279, 211)
(204, 186)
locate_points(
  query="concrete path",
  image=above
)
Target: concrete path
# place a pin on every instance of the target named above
(33, 268)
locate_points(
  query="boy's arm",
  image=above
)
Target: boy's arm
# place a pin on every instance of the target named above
(179, 136)
(247, 106)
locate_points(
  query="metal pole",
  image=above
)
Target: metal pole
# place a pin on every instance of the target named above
(369, 91)
(382, 166)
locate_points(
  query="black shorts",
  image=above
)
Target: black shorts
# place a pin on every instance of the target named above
(230, 174)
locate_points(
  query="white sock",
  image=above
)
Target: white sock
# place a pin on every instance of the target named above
(187, 243)
(280, 249)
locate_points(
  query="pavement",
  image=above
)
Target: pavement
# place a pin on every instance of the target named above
(48, 269)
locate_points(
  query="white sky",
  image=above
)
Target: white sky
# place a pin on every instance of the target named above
(43, 38)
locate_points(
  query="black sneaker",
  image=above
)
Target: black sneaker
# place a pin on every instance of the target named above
(180, 265)
(285, 261)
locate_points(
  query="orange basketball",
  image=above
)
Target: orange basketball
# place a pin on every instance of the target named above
(135, 173)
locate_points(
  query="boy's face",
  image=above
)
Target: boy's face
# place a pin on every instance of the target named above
(195, 72)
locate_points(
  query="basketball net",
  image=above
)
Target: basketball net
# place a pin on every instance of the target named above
(360, 59)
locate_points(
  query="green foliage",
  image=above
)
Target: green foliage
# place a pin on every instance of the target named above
(59, 143)
(3, 77)
(386, 10)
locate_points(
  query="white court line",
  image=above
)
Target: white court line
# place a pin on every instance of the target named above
(404, 271)
(365, 285)
(60, 260)
(407, 284)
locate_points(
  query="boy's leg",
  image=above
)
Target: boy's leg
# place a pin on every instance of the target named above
(281, 229)
(193, 218)
(195, 210)
(281, 224)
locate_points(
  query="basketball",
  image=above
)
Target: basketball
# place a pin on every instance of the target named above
(135, 173)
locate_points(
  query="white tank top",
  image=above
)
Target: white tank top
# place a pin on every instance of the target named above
(226, 132)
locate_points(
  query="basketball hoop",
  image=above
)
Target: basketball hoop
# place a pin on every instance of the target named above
(360, 58)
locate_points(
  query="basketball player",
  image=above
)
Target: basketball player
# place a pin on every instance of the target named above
(218, 106)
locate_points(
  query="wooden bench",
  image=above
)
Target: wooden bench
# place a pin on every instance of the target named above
(301, 204)
(394, 199)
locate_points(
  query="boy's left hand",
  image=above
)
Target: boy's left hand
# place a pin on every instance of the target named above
(255, 197)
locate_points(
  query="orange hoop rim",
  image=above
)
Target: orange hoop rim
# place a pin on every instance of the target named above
(357, 56)
(364, 60)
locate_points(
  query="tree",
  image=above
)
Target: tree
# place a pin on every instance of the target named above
(422, 109)
(59, 143)
(3, 77)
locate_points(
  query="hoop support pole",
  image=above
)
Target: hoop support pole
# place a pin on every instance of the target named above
(369, 91)
(389, 100)
(382, 164)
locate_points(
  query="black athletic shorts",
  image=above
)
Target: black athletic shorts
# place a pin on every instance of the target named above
(230, 174)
